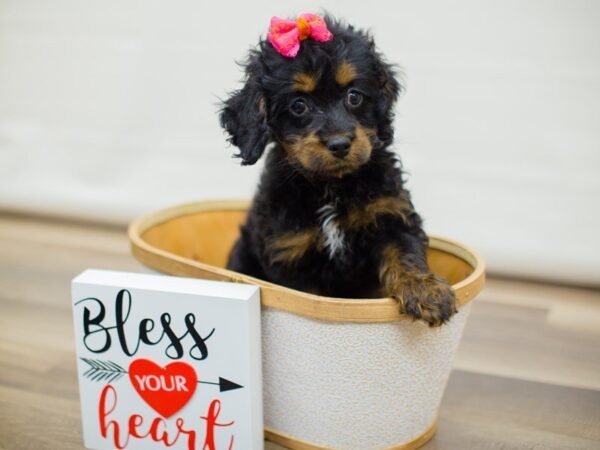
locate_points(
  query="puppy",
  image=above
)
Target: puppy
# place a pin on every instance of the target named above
(331, 215)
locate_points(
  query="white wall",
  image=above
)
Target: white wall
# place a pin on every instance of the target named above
(107, 110)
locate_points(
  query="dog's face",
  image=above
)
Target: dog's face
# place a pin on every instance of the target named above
(324, 115)
(329, 107)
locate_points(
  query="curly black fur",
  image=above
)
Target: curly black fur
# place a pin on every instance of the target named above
(331, 215)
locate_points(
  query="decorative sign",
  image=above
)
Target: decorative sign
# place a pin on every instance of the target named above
(168, 362)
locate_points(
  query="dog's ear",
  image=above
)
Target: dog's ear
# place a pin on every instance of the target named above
(389, 90)
(244, 117)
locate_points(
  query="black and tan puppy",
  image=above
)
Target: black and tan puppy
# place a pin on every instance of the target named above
(331, 215)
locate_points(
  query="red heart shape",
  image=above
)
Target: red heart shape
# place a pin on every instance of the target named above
(167, 389)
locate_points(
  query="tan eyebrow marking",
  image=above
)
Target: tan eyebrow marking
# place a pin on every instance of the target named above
(345, 73)
(304, 82)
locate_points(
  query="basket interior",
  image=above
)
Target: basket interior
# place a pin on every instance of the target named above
(208, 236)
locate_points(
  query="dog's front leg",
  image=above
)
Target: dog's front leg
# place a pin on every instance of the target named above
(404, 276)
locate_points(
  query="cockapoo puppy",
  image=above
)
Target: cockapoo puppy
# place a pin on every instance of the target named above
(331, 215)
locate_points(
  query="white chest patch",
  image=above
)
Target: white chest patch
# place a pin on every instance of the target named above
(333, 236)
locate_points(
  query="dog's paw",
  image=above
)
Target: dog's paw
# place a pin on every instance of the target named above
(426, 297)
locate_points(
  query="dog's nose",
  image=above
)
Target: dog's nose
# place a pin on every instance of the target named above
(339, 146)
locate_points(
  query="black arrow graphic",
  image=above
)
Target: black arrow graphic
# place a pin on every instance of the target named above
(224, 384)
(109, 371)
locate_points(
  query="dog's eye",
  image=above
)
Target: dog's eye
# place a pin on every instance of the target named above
(299, 107)
(354, 98)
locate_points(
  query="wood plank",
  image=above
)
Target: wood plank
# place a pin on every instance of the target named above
(489, 412)
(520, 342)
(36, 421)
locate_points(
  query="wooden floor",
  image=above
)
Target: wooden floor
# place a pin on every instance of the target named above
(527, 375)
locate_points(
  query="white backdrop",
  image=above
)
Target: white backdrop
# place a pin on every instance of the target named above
(108, 110)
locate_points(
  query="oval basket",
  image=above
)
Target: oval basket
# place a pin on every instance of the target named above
(337, 373)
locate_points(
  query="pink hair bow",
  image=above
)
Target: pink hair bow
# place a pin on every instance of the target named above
(286, 35)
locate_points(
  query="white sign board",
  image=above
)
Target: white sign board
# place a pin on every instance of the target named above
(168, 362)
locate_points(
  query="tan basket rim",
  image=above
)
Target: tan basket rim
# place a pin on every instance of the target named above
(275, 296)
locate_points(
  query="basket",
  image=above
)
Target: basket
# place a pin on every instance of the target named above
(337, 373)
